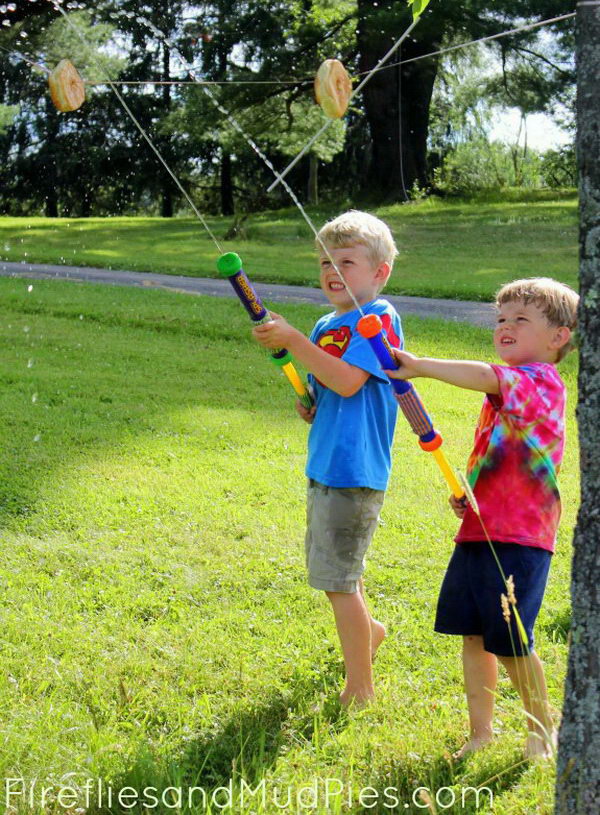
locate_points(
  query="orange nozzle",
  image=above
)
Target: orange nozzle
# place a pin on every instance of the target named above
(369, 326)
(430, 446)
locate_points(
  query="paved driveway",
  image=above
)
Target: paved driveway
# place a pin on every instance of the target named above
(481, 314)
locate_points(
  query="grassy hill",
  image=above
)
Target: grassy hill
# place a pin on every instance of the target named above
(448, 248)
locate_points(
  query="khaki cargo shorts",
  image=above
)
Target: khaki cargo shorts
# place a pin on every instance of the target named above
(340, 523)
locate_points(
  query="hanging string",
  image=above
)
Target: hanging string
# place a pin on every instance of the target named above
(309, 81)
(296, 82)
(31, 62)
(400, 139)
(481, 39)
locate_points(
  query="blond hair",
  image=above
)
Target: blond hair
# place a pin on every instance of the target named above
(356, 227)
(557, 302)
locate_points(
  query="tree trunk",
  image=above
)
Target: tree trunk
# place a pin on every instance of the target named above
(166, 209)
(226, 185)
(49, 158)
(397, 101)
(227, 206)
(313, 179)
(578, 768)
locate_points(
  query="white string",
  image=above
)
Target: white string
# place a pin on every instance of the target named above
(27, 60)
(491, 37)
(207, 82)
(309, 81)
(400, 140)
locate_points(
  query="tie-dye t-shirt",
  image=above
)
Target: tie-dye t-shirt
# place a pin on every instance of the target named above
(514, 464)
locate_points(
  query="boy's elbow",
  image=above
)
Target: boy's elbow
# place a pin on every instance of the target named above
(347, 391)
(352, 386)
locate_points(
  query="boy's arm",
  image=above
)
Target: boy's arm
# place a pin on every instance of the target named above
(475, 376)
(337, 375)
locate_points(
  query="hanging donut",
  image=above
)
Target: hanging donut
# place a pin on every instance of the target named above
(66, 87)
(333, 88)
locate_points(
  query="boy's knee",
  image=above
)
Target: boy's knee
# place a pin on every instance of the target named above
(472, 643)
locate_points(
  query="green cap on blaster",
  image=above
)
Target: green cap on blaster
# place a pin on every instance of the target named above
(229, 264)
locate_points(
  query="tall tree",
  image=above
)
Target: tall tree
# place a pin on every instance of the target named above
(397, 100)
(578, 770)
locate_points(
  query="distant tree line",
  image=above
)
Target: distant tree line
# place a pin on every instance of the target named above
(417, 126)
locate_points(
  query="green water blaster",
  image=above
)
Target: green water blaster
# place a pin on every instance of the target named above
(229, 265)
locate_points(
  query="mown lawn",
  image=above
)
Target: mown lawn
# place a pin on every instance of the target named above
(157, 629)
(457, 249)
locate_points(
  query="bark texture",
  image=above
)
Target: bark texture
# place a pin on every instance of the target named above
(578, 769)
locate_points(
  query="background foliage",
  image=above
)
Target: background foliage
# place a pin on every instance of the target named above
(94, 161)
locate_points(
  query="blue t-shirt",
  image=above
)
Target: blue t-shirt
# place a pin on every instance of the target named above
(351, 437)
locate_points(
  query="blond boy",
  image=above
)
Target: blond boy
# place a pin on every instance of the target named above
(352, 426)
(513, 470)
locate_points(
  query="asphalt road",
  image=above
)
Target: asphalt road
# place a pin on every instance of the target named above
(481, 314)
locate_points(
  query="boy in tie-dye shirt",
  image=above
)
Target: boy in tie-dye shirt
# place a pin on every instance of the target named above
(512, 470)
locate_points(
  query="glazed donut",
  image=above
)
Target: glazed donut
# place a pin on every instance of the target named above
(66, 87)
(333, 88)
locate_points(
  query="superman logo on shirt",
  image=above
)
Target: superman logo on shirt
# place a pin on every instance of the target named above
(335, 341)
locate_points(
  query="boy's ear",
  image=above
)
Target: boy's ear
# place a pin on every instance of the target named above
(383, 271)
(562, 335)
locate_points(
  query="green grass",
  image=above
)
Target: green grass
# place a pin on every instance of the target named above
(456, 249)
(156, 625)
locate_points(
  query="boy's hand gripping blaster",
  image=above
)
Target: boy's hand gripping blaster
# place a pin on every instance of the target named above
(230, 265)
(370, 327)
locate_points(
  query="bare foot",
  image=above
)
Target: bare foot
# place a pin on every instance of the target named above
(356, 699)
(537, 745)
(471, 746)
(378, 633)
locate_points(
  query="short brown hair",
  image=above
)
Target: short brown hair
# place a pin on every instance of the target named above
(557, 301)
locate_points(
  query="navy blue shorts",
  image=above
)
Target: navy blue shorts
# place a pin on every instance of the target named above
(469, 602)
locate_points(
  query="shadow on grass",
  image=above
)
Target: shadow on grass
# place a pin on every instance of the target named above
(210, 770)
(443, 785)
(104, 367)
